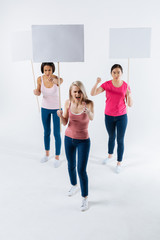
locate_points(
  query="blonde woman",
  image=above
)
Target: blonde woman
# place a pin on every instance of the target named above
(78, 111)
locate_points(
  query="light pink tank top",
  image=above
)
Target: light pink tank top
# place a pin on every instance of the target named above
(77, 126)
(50, 98)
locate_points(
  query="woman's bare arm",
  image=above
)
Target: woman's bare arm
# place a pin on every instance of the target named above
(97, 90)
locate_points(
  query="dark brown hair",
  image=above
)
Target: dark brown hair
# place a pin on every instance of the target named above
(116, 66)
(51, 64)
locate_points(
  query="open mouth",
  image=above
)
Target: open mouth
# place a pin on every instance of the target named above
(77, 97)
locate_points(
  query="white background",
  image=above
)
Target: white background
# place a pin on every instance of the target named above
(131, 43)
(21, 134)
(19, 115)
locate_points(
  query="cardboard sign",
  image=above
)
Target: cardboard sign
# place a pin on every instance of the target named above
(130, 43)
(58, 43)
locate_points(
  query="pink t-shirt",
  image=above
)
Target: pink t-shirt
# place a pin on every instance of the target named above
(115, 98)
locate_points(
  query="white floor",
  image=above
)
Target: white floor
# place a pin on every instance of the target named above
(34, 204)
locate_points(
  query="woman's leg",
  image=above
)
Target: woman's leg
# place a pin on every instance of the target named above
(121, 129)
(46, 120)
(110, 126)
(83, 154)
(56, 132)
(70, 150)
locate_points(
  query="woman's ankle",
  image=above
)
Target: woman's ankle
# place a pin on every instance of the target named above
(118, 163)
(47, 153)
(57, 157)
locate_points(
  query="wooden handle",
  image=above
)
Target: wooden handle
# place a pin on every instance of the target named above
(35, 84)
(128, 80)
(59, 83)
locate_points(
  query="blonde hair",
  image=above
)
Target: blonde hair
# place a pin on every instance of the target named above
(80, 85)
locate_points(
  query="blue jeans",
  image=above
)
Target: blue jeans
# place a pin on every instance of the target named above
(118, 123)
(83, 147)
(46, 120)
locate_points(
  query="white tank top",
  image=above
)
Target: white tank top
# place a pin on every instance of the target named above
(50, 98)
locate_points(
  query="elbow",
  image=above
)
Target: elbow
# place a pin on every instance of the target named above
(130, 104)
(64, 122)
(91, 117)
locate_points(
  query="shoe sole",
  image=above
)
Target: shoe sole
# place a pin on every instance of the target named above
(83, 210)
(73, 193)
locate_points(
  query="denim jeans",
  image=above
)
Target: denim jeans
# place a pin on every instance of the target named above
(46, 120)
(117, 125)
(82, 147)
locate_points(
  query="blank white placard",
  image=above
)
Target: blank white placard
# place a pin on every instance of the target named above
(58, 43)
(21, 46)
(130, 43)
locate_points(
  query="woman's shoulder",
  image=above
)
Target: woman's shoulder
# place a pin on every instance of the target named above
(89, 102)
(125, 84)
(54, 76)
(107, 82)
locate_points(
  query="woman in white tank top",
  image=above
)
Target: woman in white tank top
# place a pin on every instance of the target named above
(47, 84)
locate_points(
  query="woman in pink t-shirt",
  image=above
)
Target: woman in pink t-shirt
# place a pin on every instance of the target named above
(117, 95)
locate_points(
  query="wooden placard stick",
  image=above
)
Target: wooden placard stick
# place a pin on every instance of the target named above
(128, 80)
(59, 83)
(35, 84)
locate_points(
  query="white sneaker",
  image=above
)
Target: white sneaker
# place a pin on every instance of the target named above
(44, 159)
(84, 205)
(56, 163)
(118, 168)
(73, 190)
(106, 160)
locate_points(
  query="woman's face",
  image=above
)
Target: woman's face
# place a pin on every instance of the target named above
(76, 94)
(116, 73)
(47, 70)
